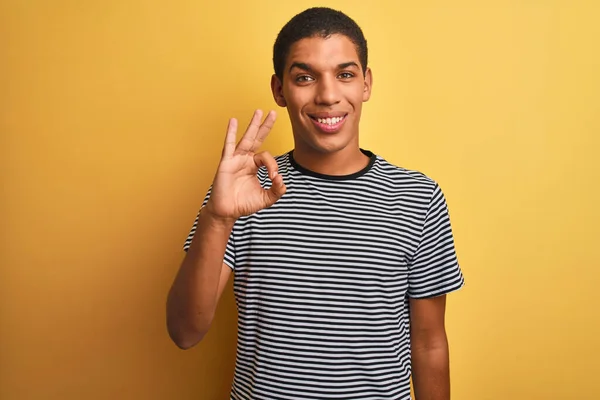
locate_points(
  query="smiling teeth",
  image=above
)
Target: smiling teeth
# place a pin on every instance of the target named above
(330, 121)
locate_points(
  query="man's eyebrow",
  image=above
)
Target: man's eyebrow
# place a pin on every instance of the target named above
(348, 64)
(308, 68)
(300, 65)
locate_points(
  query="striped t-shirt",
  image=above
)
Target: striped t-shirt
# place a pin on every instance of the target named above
(322, 280)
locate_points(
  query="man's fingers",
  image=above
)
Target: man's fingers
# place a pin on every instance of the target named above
(264, 129)
(276, 191)
(230, 138)
(247, 143)
(254, 123)
(277, 188)
(265, 159)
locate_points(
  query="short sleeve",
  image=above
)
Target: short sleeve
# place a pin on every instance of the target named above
(434, 268)
(229, 258)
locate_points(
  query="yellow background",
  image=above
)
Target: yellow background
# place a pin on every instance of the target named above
(112, 115)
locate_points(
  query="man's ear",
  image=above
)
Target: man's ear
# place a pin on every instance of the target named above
(277, 89)
(368, 84)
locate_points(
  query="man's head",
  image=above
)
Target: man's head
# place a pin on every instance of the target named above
(317, 22)
(321, 77)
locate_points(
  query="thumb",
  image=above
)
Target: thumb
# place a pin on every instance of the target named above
(275, 192)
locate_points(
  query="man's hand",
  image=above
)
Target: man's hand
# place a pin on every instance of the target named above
(236, 191)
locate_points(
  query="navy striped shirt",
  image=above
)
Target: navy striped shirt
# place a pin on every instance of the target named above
(323, 277)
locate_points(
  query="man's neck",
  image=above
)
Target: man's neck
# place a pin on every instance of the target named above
(344, 162)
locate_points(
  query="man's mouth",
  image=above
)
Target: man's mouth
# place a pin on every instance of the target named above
(330, 123)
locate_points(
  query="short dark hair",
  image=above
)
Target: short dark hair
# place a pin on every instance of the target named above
(320, 22)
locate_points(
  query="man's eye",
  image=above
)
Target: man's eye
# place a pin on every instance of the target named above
(346, 75)
(303, 78)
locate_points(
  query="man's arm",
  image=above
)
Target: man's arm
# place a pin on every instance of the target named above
(199, 283)
(429, 347)
(235, 192)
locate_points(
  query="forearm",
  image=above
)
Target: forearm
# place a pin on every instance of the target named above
(192, 299)
(431, 371)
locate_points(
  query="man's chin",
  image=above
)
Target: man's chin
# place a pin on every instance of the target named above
(323, 143)
(329, 146)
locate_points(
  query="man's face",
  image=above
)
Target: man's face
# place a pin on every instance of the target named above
(323, 88)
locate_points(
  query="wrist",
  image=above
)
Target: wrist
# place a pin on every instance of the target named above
(216, 220)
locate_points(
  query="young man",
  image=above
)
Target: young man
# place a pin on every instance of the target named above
(341, 260)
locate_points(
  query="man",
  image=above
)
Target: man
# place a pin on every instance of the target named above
(341, 260)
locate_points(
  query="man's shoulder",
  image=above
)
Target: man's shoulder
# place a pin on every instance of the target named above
(400, 176)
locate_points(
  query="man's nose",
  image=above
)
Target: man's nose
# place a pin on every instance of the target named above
(328, 92)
